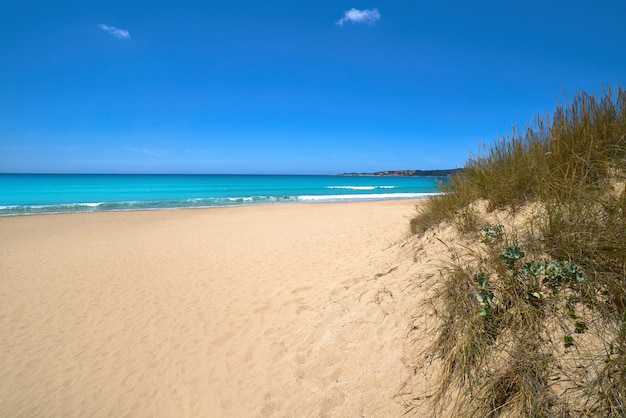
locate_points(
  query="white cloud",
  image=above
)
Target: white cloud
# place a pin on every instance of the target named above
(153, 152)
(359, 16)
(118, 33)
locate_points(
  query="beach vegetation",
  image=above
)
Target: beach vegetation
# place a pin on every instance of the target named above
(532, 316)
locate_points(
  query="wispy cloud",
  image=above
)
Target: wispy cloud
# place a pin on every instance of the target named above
(153, 152)
(370, 16)
(118, 33)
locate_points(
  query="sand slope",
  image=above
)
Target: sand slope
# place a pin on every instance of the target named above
(286, 310)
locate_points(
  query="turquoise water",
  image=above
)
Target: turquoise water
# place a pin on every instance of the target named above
(52, 193)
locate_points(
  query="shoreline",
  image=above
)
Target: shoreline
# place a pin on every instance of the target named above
(24, 194)
(250, 310)
(312, 201)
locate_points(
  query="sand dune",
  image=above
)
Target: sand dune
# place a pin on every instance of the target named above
(286, 310)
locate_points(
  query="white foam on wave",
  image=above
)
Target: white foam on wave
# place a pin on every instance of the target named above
(352, 187)
(361, 187)
(9, 210)
(54, 205)
(50, 208)
(376, 196)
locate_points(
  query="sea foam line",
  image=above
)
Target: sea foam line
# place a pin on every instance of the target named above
(361, 187)
(360, 196)
(10, 210)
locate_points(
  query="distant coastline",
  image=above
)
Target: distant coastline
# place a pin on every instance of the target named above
(412, 173)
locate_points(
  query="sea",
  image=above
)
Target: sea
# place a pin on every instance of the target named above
(25, 194)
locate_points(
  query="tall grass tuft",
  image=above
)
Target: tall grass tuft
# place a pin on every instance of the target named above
(506, 316)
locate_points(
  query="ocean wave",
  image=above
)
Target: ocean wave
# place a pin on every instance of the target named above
(361, 187)
(10, 210)
(55, 208)
(371, 196)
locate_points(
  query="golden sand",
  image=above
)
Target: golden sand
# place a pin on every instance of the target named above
(285, 310)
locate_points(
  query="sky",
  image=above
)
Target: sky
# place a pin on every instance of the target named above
(288, 87)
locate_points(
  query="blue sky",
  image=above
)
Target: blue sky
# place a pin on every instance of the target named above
(286, 87)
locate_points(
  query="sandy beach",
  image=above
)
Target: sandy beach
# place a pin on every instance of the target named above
(283, 310)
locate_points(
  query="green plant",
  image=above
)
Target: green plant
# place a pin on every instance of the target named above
(484, 295)
(568, 341)
(510, 255)
(580, 327)
(491, 232)
(559, 273)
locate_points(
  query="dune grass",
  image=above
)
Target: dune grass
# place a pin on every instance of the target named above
(533, 321)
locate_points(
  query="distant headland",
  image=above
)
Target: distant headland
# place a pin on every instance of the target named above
(421, 173)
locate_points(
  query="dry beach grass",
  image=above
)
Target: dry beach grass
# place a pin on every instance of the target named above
(532, 302)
